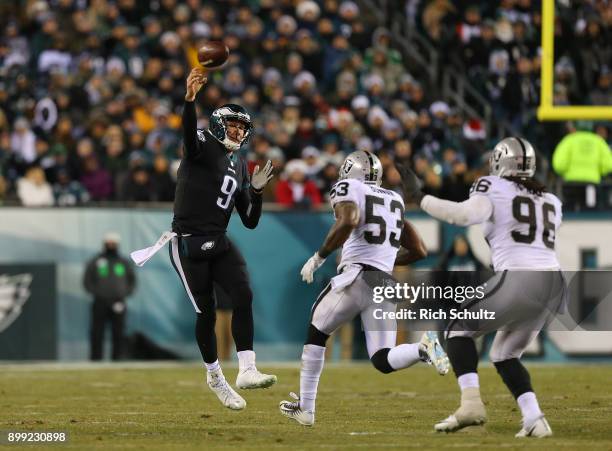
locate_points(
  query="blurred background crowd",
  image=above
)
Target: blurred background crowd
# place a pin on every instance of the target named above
(91, 92)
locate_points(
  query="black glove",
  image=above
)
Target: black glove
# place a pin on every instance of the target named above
(411, 184)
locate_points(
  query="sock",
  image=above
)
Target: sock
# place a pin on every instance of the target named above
(529, 406)
(462, 354)
(470, 388)
(468, 380)
(246, 360)
(313, 358)
(470, 394)
(404, 355)
(210, 367)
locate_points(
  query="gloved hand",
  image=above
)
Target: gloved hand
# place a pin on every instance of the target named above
(260, 179)
(411, 183)
(311, 266)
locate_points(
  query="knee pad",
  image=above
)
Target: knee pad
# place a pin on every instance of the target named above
(315, 336)
(515, 376)
(381, 362)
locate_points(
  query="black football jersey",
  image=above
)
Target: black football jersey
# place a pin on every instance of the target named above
(210, 182)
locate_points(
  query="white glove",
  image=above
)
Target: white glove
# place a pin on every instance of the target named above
(260, 179)
(311, 266)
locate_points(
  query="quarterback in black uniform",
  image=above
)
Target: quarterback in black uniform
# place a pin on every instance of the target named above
(212, 180)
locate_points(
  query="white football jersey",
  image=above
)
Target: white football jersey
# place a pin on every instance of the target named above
(523, 226)
(376, 240)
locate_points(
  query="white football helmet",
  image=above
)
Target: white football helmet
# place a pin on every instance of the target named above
(362, 165)
(513, 157)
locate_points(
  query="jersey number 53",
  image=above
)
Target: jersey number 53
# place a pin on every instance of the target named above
(395, 210)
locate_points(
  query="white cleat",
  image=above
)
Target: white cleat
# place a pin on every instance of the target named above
(539, 428)
(251, 378)
(469, 414)
(291, 409)
(431, 347)
(226, 394)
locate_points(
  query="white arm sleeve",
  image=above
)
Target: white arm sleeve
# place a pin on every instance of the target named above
(475, 210)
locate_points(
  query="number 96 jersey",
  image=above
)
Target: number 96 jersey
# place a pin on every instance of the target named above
(376, 240)
(522, 228)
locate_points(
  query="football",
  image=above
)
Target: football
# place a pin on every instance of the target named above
(213, 54)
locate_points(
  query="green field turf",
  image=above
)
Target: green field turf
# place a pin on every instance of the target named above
(358, 408)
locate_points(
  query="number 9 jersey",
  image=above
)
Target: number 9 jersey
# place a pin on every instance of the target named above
(210, 182)
(376, 239)
(522, 228)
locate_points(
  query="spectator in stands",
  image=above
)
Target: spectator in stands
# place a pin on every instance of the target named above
(82, 72)
(23, 141)
(310, 156)
(326, 179)
(138, 186)
(3, 187)
(582, 158)
(392, 179)
(162, 185)
(68, 193)
(96, 180)
(33, 189)
(602, 94)
(295, 190)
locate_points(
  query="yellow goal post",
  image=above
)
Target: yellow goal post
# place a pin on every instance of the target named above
(546, 110)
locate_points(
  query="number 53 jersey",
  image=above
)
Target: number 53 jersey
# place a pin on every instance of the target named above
(376, 240)
(522, 228)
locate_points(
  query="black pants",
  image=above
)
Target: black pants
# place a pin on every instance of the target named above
(198, 268)
(102, 312)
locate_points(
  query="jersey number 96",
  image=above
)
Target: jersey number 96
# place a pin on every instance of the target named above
(529, 217)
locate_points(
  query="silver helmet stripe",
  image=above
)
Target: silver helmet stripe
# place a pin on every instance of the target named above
(371, 165)
(524, 152)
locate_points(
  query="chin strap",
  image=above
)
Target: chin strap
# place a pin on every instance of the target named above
(231, 145)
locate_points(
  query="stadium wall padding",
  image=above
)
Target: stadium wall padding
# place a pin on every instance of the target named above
(274, 252)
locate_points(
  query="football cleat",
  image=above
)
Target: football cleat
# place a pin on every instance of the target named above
(432, 352)
(539, 428)
(471, 413)
(292, 409)
(226, 394)
(251, 378)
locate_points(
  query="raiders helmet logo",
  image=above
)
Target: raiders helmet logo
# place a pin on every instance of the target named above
(346, 168)
(14, 292)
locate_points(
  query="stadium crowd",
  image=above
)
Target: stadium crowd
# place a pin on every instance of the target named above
(91, 91)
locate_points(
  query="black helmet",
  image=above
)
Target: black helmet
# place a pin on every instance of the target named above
(218, 126)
